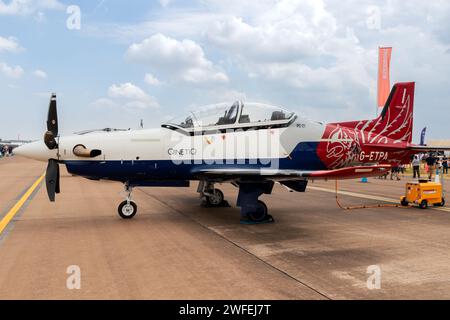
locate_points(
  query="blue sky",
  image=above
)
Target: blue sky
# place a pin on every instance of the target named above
(157, 59)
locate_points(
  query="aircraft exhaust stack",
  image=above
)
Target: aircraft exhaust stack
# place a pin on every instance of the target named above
(82, 151)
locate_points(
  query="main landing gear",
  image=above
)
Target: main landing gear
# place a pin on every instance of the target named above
(210, 196)
(127, 209)
(254, 211)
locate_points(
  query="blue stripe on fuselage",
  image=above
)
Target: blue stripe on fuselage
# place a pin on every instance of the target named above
(303, 157)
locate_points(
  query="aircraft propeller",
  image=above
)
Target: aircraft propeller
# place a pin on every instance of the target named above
(50, 140)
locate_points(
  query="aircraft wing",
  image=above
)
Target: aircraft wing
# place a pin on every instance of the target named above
(282, 175)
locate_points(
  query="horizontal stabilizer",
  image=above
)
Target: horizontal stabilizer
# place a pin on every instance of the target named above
(401, 147)
(428, 148)
(283, 175)
(351, 172)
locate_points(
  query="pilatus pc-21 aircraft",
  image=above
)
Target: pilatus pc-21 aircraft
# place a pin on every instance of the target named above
(249, 145)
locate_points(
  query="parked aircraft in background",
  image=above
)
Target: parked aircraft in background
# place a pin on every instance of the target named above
(247, 144)
(11, 144)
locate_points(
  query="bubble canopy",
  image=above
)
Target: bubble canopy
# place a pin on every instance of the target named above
(232, 115)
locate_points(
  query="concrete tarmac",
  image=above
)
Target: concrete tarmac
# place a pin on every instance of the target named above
(175, 249)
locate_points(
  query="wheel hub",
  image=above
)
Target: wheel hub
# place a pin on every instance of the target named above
(215, 198)
(127, 209)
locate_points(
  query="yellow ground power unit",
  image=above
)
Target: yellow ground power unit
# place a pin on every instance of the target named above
(424, 194)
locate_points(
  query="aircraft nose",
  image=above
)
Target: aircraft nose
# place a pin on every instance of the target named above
(35, 150)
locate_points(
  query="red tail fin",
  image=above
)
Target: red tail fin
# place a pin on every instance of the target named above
(393, 128)
(395, 123)
(396, 120)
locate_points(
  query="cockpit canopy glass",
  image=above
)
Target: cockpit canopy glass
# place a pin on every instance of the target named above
(209, 116)
(258, 112)
(239, 114)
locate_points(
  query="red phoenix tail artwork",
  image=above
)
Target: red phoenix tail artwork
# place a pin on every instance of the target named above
(381, 140)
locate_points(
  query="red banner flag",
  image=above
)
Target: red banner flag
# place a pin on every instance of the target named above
(384, 63)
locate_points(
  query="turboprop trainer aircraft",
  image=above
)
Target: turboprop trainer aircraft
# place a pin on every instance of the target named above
(249, 145)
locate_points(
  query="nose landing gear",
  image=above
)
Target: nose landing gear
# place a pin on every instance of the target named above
(211, 197)
(128, 208)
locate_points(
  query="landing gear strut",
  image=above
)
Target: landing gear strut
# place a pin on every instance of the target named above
(211, 197)
(127, 209)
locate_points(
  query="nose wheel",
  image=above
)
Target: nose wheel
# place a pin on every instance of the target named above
(128, 208)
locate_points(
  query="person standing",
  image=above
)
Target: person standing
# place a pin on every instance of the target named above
(416, 167)
(395, 171)
(445, 166)
(431, 162)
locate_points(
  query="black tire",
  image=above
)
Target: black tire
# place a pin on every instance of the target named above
(127, 211)
(216, 199)
(423, 204)
(260, 213)
(442, 203)
(404, 203)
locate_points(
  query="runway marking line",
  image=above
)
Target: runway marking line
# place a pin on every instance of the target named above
(11, 213)
(370, 197)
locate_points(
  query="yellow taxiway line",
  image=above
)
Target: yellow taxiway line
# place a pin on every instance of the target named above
(370, 197)
(10, 215)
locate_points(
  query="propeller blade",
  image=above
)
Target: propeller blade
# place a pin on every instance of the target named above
(52, 124)
(52, 179)
(57, 188)
(52, 117)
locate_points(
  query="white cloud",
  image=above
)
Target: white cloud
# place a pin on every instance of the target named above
(136, 104)
(40, 74)
(129, 95)
(289, 30)
(27, 7)
(12, 72)
(298, 48)
(227, 95)
(9, 44)
(152, 80)
(40, 17)
(15, 7)
(128, 91)
(164, 3)
(184, 59)
(105, 103)
(174, 23)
